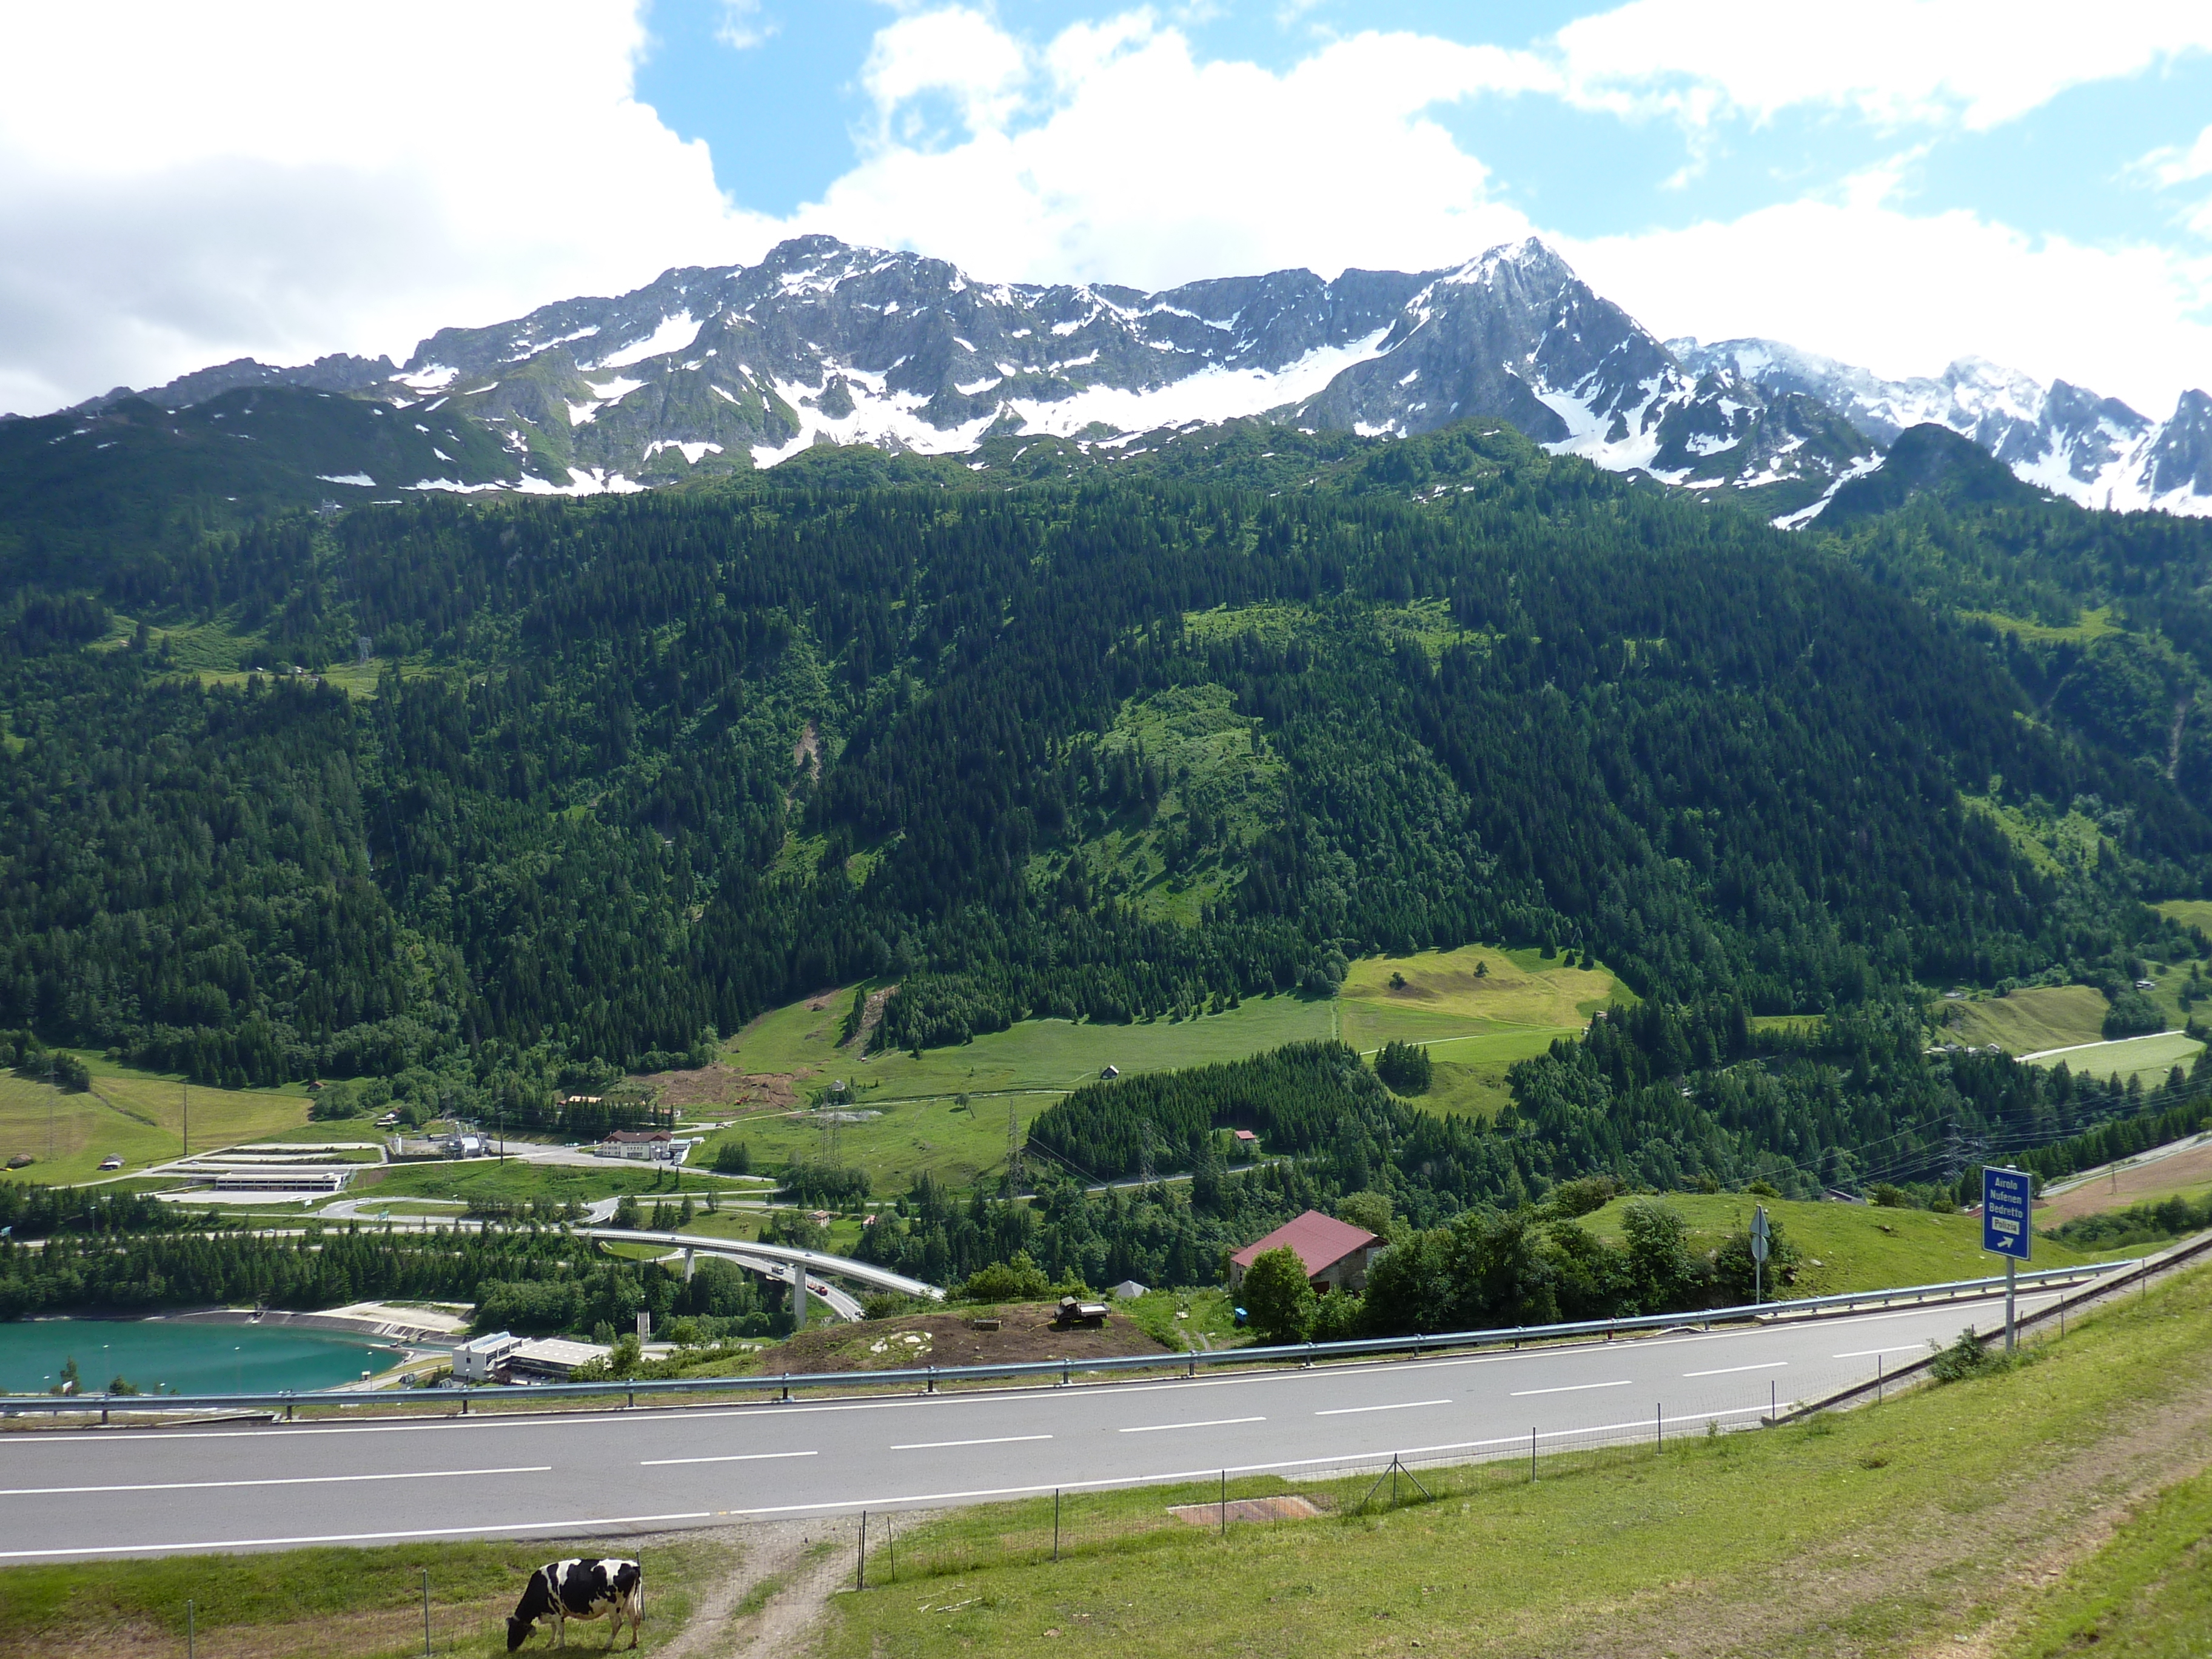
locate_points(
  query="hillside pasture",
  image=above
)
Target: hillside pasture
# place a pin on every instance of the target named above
(136, 1116)
(2046, 1017)
(2150, 1058)
(1482, 983)
(1850, 1247)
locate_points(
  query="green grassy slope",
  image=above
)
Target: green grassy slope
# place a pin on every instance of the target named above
(2047, 1017)
(2149, 1592)
(325, 1603)
(1476, 1028)
(136, 1116)
(1852, 1247)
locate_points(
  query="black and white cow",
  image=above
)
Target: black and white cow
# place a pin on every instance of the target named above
(561, 1590)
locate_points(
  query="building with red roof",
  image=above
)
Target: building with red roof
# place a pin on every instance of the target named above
(1335, 1253)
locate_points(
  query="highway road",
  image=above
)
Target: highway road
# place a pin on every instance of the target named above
(70, 1493)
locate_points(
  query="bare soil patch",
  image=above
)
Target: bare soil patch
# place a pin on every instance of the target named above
(725, 1086)
(872, 1015)
(1289, 1507)
(2126, 1186)
(1025, 1333)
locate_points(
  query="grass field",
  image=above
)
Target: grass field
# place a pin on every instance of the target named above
(328, 1603)
(138, 1115)
(2147, 1592)
(2046, 1017)
(1520, 988)
(1853, 1247)
(2149, 1058)
(1474, 1025)
(516, 1181)
(1905, 1529)
(1054, 1054)
(2190, 913)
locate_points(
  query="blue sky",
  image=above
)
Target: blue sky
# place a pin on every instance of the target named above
(785, 115)
(1896, 183)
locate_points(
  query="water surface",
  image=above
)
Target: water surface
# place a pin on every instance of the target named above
(188, 1355)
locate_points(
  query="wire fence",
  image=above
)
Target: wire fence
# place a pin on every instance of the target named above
(894, 1547)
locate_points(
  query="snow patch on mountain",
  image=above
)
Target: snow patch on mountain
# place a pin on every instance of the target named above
(674, 334)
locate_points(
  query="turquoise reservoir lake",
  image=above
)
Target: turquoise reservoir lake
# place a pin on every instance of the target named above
(187, 1356)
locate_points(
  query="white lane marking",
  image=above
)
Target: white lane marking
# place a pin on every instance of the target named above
(1402, 1406)
(287, 1481)
(74, 1439)
(1868, 1353)
(1573, 1388)
(732, 1457)
(1730, 1370)
(996, 1440)
(1211, 1423)
(557, 1527)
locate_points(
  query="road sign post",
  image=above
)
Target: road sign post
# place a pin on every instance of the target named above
(1761, 1239)
(2007, 1230)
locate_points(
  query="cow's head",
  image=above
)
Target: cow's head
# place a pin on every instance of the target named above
(518, 1630)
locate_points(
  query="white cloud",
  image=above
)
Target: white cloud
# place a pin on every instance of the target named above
(742, 27)
(1902, 294)
(1978, 62)
(955, 52)
(1115, 154)
(179, 185)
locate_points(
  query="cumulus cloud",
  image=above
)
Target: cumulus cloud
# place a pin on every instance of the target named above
(1859, 279)
(184, 184)
(179, 185)
(1978, 63)
(1113, 153)
(742, 27)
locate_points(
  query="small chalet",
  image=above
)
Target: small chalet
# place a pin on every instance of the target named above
(1335, 1253)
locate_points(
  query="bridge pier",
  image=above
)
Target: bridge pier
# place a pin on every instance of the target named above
(689, 1262)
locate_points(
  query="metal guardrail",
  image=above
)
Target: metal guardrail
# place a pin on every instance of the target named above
(2139, 1271)
(1064, 1370)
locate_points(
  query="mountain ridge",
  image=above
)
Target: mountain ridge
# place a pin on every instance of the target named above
(709, 369)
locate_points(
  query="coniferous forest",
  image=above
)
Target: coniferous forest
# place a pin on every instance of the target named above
(623, 773)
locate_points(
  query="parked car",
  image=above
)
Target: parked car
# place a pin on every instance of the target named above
(110, 1162)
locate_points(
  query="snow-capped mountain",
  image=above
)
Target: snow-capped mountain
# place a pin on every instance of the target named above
(742, 367)
(2096, 451)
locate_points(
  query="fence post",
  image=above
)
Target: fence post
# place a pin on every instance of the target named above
(1532, 1456)
(426, 1613)
(1660, 1420)
(189, 1643)
(1773, 1403)
(1877, 1379)
(1055, 1524)
(1225, 1503)
(861, 1577)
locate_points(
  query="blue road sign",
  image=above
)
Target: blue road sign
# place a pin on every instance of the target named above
(2006, 1202)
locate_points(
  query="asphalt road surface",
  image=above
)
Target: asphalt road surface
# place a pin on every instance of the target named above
(71, 1493)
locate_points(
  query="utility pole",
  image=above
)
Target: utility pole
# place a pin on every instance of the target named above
(1013, 1149)
(187, 1088)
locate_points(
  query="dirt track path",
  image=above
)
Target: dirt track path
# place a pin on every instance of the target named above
(790, 1570)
